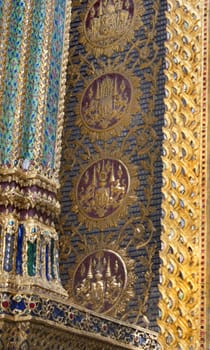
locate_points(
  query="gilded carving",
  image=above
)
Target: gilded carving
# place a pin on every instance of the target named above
(102, 280)
(99, 280)
(104, 190)
(109, 24)
(180, 285)
(107, 104)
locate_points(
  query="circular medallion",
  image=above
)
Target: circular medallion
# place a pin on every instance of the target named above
(105, 102)
(99, 280)
(102, 188)
(103, 192)
(108, 20)
(108, 24)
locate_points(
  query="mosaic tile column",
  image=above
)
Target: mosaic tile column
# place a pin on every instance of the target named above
(34, 40)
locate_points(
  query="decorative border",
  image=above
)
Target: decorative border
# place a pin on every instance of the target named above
(205, 183)
(71, 318)
(180, 319)
(62, 90)
(4, 29)
(43, 82)
(21, 82)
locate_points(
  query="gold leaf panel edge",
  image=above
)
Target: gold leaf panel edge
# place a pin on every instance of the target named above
(180, 255)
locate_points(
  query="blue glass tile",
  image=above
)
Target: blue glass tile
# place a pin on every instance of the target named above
(19, 256)
(47, 262)
(52, 258)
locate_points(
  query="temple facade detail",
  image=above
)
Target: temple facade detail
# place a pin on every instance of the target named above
(104, 185)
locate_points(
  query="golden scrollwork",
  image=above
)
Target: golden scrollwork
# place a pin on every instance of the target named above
(179, 305)
(109, 24)
(90, 152)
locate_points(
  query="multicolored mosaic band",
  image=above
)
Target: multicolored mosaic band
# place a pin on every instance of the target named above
(71, 318)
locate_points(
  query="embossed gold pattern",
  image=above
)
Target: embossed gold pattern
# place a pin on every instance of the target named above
(179, 305)
(107, 24)
(94, 84)
(99, 280)
(108, 103)
(103, 279)
(205, 184)
(104, 190)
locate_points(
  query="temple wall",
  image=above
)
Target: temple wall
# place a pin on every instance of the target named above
(111, 170)
(132, 213)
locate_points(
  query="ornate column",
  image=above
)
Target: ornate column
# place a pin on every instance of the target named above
(34, 45)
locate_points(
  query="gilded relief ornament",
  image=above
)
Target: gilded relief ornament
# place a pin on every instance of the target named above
(99, 280)
(109, 24)
(107, 104)
(103, 192)
(103, 281)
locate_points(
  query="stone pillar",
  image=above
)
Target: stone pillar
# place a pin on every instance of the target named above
(33, 44)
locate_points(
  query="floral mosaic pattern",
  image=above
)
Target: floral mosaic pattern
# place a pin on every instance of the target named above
(33, 78)
(76, 319)
(54, 83)
(11, 77)
(34, 83)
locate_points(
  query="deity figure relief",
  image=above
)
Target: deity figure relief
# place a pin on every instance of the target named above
(107, 20)
(99, 280)
(102, 188)
(106, 101)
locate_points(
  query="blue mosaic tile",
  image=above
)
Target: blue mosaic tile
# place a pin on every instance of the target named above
(54, 83)
(11, 76)
(33, 78)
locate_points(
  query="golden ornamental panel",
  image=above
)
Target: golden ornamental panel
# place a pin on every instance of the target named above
(180, 254)
(108, 25)
(107, 94)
